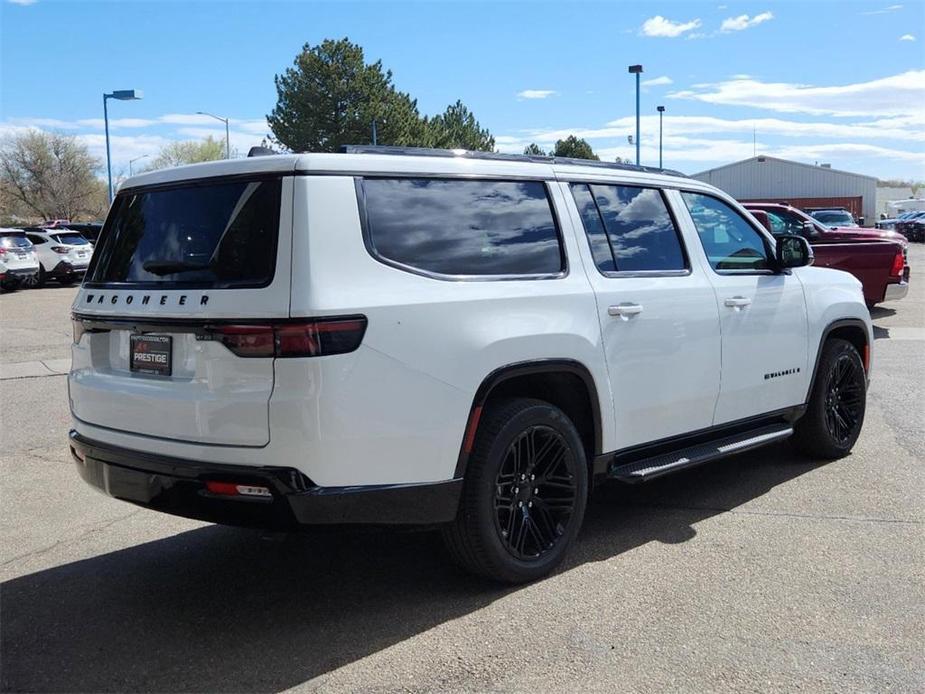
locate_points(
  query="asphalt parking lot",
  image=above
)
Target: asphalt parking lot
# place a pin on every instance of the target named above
(763, 572)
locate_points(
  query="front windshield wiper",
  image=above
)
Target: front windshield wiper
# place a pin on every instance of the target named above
(170, 267)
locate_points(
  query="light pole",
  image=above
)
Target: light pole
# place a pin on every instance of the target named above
(132, 161)
(121, 95)
(636, 70)
(661, 112)
(227, 139)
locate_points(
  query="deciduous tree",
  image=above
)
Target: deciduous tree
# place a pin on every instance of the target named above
(189, 152)
(47, 175)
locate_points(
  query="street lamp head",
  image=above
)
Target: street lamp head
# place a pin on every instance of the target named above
(126, 94)
(635, 69)
(660, 109)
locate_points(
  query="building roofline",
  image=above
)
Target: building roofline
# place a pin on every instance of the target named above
(785, 161)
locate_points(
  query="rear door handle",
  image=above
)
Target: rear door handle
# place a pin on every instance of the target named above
(625, 310)
(738, 302)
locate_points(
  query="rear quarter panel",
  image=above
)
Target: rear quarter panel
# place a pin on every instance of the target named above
(396, 410)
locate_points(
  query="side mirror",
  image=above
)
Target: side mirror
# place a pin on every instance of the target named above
(793, 251)
(860, 221)
(809, 230)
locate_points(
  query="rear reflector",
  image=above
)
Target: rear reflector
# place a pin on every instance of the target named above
(313, 338)
(233, 489)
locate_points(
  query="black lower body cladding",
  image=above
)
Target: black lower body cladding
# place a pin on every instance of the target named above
(179, 487)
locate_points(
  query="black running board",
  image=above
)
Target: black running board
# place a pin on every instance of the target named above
(655, 466)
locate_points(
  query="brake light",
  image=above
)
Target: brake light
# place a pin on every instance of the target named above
(2, 250)
(313, 338)
(899, 262)
(60, 249)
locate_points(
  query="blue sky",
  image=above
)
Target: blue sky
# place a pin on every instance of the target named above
(835, 82)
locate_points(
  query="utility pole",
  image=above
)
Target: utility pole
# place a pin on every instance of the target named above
(661, 112)
(636, 70)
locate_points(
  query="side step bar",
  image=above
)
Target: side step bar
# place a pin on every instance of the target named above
(656, 466)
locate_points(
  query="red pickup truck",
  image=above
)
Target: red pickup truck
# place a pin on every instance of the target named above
(877, 260)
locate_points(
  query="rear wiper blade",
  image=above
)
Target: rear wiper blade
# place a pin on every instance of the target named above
(170, 267)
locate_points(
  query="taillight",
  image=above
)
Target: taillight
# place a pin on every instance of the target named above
(899, 262)
(2, 250)
(313, 338)
(60, 249)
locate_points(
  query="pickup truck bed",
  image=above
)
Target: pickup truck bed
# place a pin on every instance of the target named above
(879, 263)
(872, 262)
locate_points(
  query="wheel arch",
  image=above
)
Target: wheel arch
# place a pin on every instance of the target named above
(854, 330)
(552, 380)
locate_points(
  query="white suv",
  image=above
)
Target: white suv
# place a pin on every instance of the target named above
(440, 338)
(63, 254)
(18, 263)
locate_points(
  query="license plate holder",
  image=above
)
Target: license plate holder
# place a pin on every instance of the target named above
(151, 354)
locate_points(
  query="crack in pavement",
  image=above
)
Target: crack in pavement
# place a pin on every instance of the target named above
(780, 514)
(89, 531)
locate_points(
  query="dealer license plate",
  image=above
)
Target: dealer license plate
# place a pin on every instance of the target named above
(151, 354)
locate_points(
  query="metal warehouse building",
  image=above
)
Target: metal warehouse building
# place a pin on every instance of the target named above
(805, 186)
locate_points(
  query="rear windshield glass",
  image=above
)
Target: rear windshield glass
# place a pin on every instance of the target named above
(219, 235)
(15, 242)
(71, 239)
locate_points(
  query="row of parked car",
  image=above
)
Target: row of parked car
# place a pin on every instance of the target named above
(910, 225)
(32, 256)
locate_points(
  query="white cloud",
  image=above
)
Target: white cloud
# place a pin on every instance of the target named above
(896, 95)
(885, 10)
(743, 21)
(661, 27)
(22, 2)
(657, 81)
(536, 93)
(907, 37)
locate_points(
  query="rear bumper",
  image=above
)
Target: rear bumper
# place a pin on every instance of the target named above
(896, 291)
(178, 487)
(67, 269)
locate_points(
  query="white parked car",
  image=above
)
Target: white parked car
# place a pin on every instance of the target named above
(432, 338)
(64, 255)
(18, 263)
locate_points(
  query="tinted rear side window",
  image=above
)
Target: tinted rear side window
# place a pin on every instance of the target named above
(629, 228)
(463, 227)
(72, 239)
(220, 235)
(15, 241)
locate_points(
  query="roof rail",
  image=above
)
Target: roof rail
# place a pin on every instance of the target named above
(498, 156)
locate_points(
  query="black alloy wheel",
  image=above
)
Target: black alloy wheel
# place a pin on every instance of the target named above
(524, 495)
(843, 395)
(535, 492)
(835, 411)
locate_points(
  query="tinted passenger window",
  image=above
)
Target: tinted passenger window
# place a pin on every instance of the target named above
(785, 223)
(629, 228)
(217, 235)
(461, 227)
(730, 242)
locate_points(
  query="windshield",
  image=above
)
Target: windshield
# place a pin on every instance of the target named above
(71, 239)
(15, 242)
(835, 218)
(214, 235)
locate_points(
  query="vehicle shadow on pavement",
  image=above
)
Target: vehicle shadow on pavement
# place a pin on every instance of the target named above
(220, 609)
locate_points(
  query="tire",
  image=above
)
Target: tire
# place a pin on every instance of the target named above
(519, 513)
(835, 413)
(42, 277)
